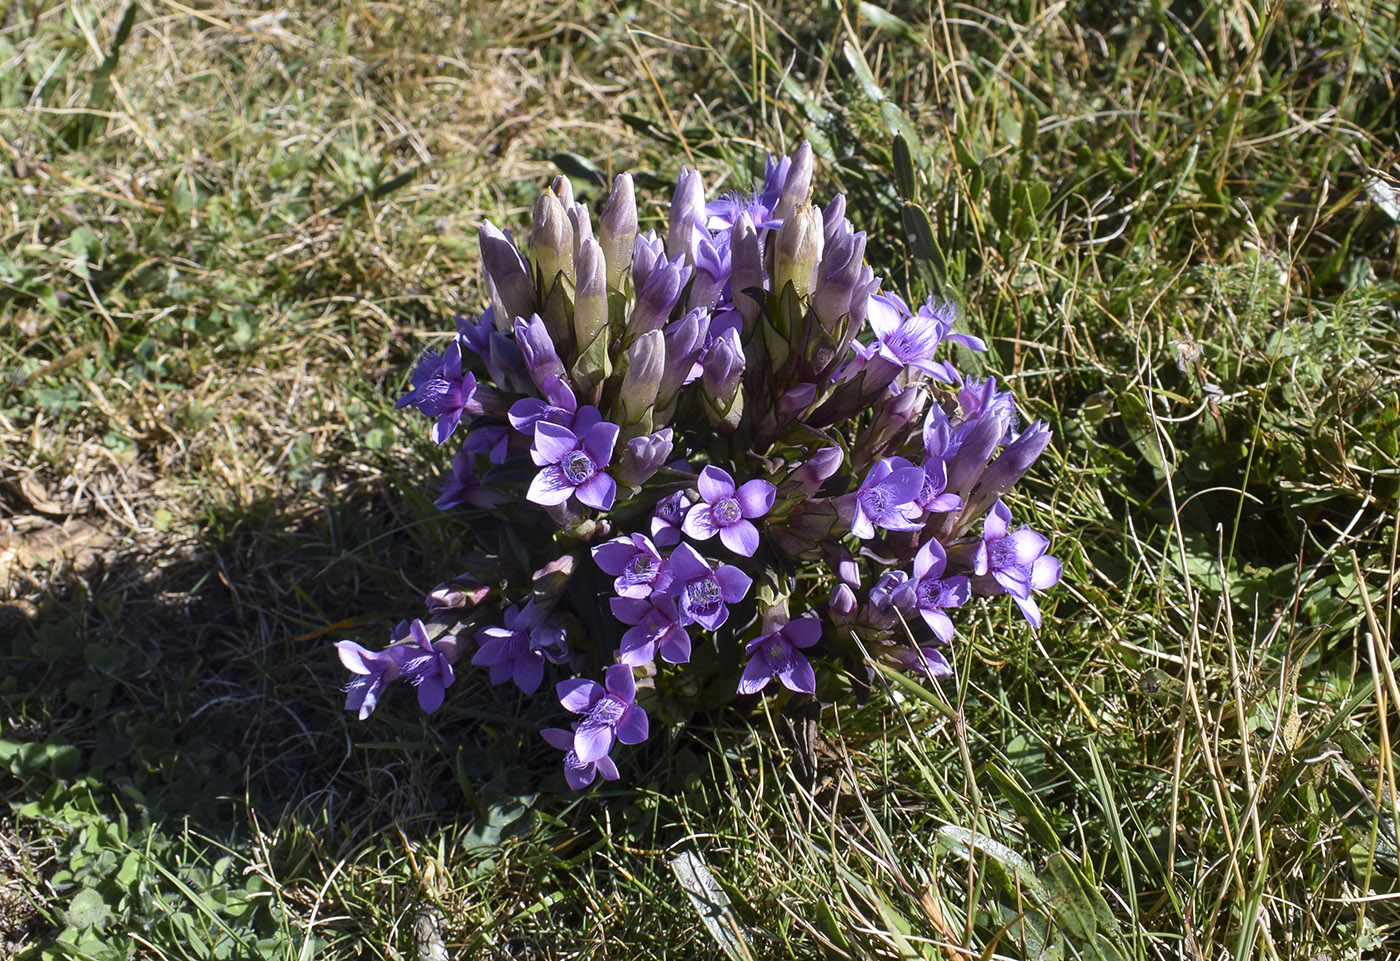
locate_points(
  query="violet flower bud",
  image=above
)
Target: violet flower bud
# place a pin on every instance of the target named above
(685, 339)
(507, 274)
(966, 465)
(592, 365)
(551, 241)
(797, 185)
(657, 282)
(798, 251)
(582, 226)
(842, 603)
(637, 396)
(687, 211)
(838, 279)
(617, 229)
(457, 593)
(746, 268)
(723, 366)
(1009, 467)
(563, 188)
(810, 476)
(541, 360)
(644, 456)
(834, 218)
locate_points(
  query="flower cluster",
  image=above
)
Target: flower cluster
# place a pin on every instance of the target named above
(700, 462)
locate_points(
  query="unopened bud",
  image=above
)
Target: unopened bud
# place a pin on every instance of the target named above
(645, 360)
(617, 229)
(507, 275)
(798, 251)
(687, 210)
(798, 184)
(551, 242)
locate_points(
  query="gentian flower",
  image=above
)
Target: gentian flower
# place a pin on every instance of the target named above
(666, 519)
(559, 407)
(727, 511)
(373, 671)
(1014, 563)
(578, 774)
(636, 563)
(930, 592)
(887, 498)
(655, 630)
(442, 391)
(573, 464)
(928, 661)
(516, 652)
(464, 487)
(428, 668)
(907, 338)
(701, 593)
(609, 711)
(777, 655)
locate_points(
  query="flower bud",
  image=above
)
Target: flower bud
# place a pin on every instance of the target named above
(838, 279)
(798, 251)
(746, 267)
(617, 229)
(965, 467)
(797, 185)
(687, 210)
(551, 242)
(457, 593)
(563, 188)
(657, 282)
(843, 602)
(643, 457)
(685, 339)
(582, 226)
(810, 475)
(591, 364)
(1009, 467)
(797, 399)
(548, 583)
(723, 367)
(541, 359)
(507, 274)
(834, 218)
(645, 360)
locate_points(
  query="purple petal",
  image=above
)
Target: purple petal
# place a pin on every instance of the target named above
(733, 583)
(904, 485)
(445, 425)
(579, 775)
(593, 740)
(352, 656)
(637, 647)
(430, 694)
(552, 442)
(756, 676)
(998, 519)
(559, 738)
(803, 632)
(1045, 573)
(632, 727)
(607, 768)
(740, 537)
(941, 623)
(674, 646)
(598, 492)
(687, 564)
(860, 524)
(1028, 545)
(797, 675)
(1028, 609)
(700, 522)
(599, 442)
(493, 650)
(613, 556)
(578, 694)
(550, 486)
(930, 561)
(525, 413)
(629, 610)
(619, 681)
(528, 673)
(714, 484)
(755, 497)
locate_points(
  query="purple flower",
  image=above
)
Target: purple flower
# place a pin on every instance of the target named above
(908, 339)
(727, 511)
(702, 594)
(1014, 563)
(442, 391)
(655, 630)
(666, 520)
(930, 592)
(494, 442)
(933, 496)
(429, 669)
(609, 711)
(573, 464)
(559, 407)
(517, 651)
(373, 671)
(636, 563)
(578, 774)
(928, 661)
(465, 487)
(778, 655)
(888, 498)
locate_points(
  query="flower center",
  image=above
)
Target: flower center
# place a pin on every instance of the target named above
(703, 595)
(1003, 555)
(931, 593)
(727, 512)
(643, 566)
(577, 467)
(654, 625)
(608, 710)
(776, 651)
(876, 503)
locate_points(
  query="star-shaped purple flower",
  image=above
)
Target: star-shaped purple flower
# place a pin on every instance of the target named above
(428, 668)
(666, 520)
(573, 464)
(373, 671)
(728, 511)
(442, 391)
(578, 774)
(656, 630)
(636, 564)
(517, 651)
(778, 655)
(930, 592)
(888, 498)
(702, 594)
(609, 711)
(1014, 563)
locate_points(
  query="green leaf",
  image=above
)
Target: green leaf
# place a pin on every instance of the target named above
(904, 168)
(86, 910)
(581, 168)
(864, 77)
(886, 22)
(711, 904)
(1026, 806)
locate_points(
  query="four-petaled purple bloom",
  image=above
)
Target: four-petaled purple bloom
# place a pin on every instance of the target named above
(372, 670)
(727, 511)
(428, 668)
(517, 651)
(1015, 562)
(655, 632)
(778, 655)
(608, 709)
(442, 391)
(573, 463)
(666, 519)
(578, 774)
(930, 592)
(702, 594)
(635, 562)
(888, 498)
